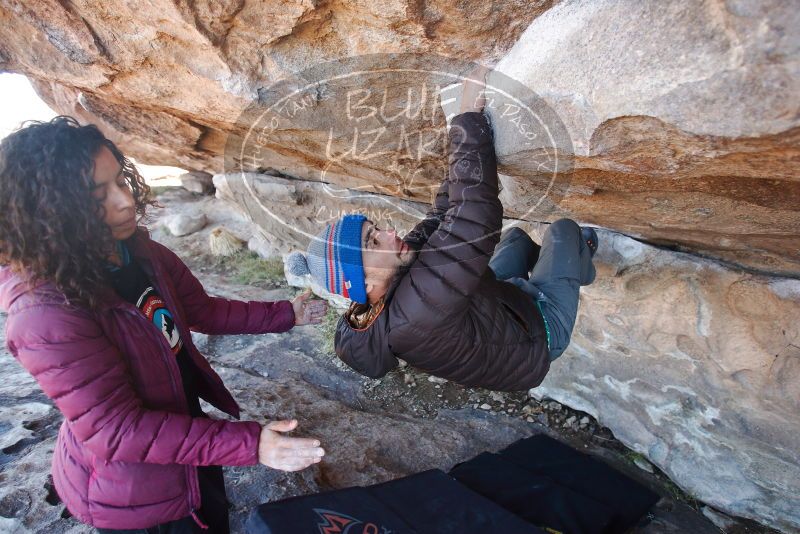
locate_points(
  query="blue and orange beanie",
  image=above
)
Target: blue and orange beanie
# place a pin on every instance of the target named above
(333, 259)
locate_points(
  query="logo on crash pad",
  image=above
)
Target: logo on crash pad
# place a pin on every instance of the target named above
(337, 523)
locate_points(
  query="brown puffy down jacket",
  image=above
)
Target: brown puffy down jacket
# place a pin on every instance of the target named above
(446, 314)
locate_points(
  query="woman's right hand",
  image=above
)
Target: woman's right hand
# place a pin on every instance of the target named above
(285, 453)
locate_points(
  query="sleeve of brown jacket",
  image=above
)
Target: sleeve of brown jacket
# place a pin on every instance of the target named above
(449, 266)
(417, 237)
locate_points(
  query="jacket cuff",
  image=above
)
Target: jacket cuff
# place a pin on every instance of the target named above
(251, 440)
(281, 317)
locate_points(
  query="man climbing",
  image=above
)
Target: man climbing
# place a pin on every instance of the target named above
(435, 298)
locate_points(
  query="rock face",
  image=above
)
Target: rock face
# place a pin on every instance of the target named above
(185, 224)
(197, 182)
(683, 117)
(291, 212)
(697, 367)
(682, 131)
(168, 79)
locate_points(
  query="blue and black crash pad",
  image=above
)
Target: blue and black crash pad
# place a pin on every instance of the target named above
(536, 485)
(430, 502)
(553, 485)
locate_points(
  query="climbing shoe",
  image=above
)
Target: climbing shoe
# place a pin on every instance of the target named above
(589, 237)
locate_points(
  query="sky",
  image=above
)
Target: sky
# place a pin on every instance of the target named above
(19, 102)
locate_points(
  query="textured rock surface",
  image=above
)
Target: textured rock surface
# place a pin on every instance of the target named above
(683, 115)
(291, 212)
(697, 367)
(684, 121)
(185, 224)
(170, 78)
(197, 182)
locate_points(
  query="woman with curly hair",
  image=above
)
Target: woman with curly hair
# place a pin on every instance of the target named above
(101, 316)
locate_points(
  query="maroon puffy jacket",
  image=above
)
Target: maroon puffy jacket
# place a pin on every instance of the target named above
(126, 453)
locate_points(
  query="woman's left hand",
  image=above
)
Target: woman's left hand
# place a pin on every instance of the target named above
(308, 310)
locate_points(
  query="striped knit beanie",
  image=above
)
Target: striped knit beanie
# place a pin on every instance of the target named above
(334, 259)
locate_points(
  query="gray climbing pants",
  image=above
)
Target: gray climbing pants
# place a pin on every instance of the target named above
(559, 267)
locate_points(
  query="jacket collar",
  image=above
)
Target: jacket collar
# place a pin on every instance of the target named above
(139, 248)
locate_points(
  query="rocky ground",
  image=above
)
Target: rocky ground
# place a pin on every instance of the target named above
(373, 430)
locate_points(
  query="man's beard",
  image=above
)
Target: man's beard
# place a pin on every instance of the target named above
(411, 258)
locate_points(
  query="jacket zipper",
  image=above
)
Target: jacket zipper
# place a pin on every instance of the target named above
(191, 471)
(194, 483)
(197, 520)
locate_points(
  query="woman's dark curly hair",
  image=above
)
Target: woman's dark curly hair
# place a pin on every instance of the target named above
(51, 226)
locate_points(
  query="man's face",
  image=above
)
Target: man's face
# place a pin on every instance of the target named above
(382, 252)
